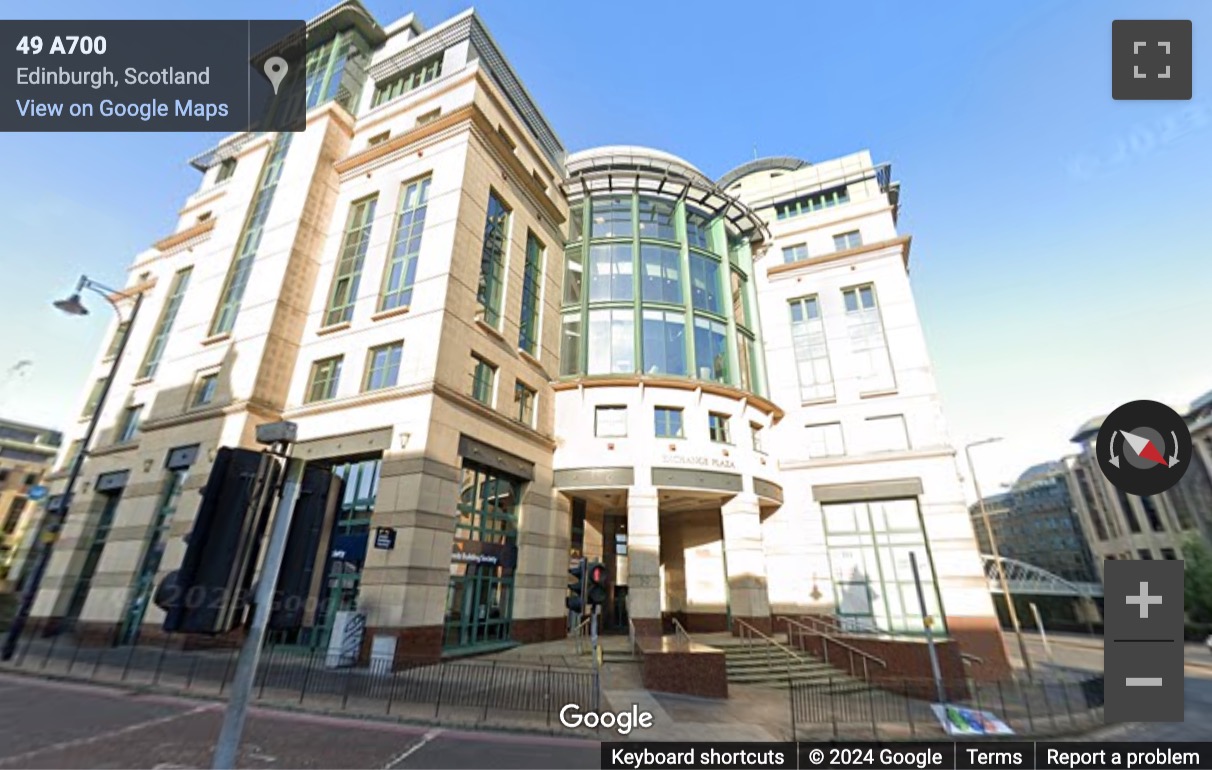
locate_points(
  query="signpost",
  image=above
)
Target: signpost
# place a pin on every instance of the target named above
(928, 621)
(38, 492)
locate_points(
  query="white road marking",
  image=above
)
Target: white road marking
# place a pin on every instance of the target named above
(19, 758)
(426, 738)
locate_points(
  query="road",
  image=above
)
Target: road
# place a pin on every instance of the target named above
(57, 725)
(1086, 653)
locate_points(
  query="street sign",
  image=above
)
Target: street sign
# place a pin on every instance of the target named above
(38, 492)
(385, 538)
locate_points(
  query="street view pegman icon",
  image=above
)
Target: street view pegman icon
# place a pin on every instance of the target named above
(275, 70)
(1143, 447)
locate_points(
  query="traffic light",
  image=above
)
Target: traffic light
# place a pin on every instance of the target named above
(597, 590)
(576, 589)
(209, 592)
(301, 577)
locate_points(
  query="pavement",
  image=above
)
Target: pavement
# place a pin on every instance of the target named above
(46, 724)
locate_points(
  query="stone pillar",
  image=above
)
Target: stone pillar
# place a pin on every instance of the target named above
(745, 561)
(644, 561)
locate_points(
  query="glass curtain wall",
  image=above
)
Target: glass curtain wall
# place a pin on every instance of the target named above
(654, 286)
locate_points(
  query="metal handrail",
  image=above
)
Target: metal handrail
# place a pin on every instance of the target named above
(680, 632)
(749, 634)
(826, 638)
(969, 659)
(578, 634)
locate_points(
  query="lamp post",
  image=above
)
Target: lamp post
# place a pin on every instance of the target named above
(49, 528)
(997, 557)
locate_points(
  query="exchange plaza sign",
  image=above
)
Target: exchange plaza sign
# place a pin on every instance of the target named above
(697, 461)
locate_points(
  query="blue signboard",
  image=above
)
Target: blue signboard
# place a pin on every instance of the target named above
(38, 492)
(350, 548)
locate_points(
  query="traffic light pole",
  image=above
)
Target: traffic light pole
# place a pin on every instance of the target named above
(597, 658)
(228, 745)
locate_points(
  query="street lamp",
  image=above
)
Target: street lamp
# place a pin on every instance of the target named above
(51, 523)
(997, 557)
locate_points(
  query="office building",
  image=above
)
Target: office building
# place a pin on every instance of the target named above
(26, 453)
(514, 356)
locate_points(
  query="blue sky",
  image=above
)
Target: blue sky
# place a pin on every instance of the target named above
(1058, 258)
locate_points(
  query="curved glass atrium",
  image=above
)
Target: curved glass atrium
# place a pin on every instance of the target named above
(655, 286)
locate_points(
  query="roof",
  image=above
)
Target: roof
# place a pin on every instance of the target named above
(780, 162)
(1088, 429)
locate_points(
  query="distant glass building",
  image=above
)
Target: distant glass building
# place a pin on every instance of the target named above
(1036, 522)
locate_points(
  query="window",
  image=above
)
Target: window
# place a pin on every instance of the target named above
(226, 169)
(409, 80)
(348, 274)
(746, 362)
(574, 272)
(429, 117)
(576, 223)
(869, 544)
(524, 398)
(401, 269)
(383, 366)
(13, 517)
(1169, 554)
(483, 380)
(868, 346)
(825, 440)
(164, 326)
(130, 424)
(811, 351)
(116, 343)
(656, 219)
(73, 451)
(325, 377)
(30, 479)
(668, 421)
(662, 274)
(532, 279)
(698, 229)
(711, 349)
(610, 421)
(705, 284)
(806, 204)
(664, 338)
(204, 389)
(755, 433)
(611, 341)
(570, 344)
(246, 250)
(1152, 514)
(887, 434)
(94, 398)
(610, 273)
(848, 240)
(1144, 554)
(492, 260)
(611, 217)
(378, 139)
(795, 253)
(718, 428)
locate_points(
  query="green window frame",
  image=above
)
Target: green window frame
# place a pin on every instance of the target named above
(383, 366)
(532, 286)
(492, 259)
(711, 350)
(662, 274)
(205, 389)
(483, 380)
(409, 80)
(806, 204)
(611, 217)
(698, 229)
(115, 342)
(130, 424)
(400, 272)
(668, 422)
(705, 284)
(348, 273)
(94, 398)
(227, 168)
(719, 427)
(250, 238)
(164, 326)
(574, 274)
(658, 218)
(324, 380)
(572, 339)
(610, 421)
(524, 398)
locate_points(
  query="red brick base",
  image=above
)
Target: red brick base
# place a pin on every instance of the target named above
(982, 638)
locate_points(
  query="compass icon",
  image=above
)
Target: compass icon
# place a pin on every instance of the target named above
(1143, 447)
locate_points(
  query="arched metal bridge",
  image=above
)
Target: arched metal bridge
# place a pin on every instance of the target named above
(1029, 580)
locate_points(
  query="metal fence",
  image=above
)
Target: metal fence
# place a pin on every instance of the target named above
(901, 708)
(458, 692)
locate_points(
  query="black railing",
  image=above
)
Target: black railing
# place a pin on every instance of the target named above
(462, 691)
(902, 708)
